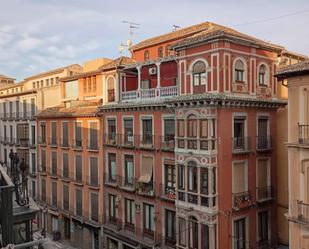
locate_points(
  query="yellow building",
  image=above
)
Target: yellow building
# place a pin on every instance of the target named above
(5, 81)
(296, 78)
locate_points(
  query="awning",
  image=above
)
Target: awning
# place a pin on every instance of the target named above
(146, 170)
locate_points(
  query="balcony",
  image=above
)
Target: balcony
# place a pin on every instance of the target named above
(241, 145)
(112, 180)
(27, 115)
(42, 169)
(265, 193)
(53, 142)
(23, 142)
(208, 201)
(93, 181)
(150, 93)
(77, 144)
(203, 144)
(168, 192)
(64, 142)
(168, 143)
(145, 141)
(263, 143)
(66, 175)
(146, 189)
(92, 145)
(42, 140)
(241, 200)
(303, 212)
(303, 134)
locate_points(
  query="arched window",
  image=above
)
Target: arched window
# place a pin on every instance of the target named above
(199, 73)
(146, 55)
(192, 178)
(239, 71)
(110, 89)
(262, 75)
(160, 52)
(193, 233)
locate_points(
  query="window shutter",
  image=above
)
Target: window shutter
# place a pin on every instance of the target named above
(94, 170)
(78, 169)
(262, 173)
(239, 177)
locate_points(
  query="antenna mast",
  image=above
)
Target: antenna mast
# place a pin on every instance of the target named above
(132, 26)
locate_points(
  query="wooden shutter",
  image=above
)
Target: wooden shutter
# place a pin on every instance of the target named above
(94, 170)
(79, 201)
(65, 133)
(94, 206)
(78, 169)
(239, 177)
(262, 173)
(146, 170)
(93, 134)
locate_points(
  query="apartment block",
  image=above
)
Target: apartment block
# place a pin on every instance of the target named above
(20, 103)
(296, 79)
(195, 127)
(70, 154)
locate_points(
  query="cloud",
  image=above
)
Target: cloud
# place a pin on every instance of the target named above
(52, 33)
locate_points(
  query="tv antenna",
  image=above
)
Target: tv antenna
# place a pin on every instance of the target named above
(175, 27)
(132, 27)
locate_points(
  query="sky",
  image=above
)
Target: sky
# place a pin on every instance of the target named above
(40, 35)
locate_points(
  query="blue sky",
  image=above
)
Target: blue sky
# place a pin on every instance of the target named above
(38, 35)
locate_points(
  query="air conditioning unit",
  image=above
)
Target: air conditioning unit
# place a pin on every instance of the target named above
(152, 70)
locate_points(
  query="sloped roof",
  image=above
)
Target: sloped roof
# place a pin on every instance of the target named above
(60, 69)
(198, 32)
(215, 30)
(77, 109)
(300, 68)
(5, 76)
(121, 61)
(179, 33)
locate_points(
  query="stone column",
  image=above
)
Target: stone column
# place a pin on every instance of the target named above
(212, 235)
(158, 79)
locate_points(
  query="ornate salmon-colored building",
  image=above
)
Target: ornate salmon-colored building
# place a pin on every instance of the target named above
(190, 157)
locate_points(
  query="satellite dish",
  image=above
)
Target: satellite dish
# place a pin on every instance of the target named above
(129, 43)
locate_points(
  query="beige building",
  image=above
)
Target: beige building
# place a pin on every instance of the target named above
(19, 105)
(287, 58)
(296, 78)
(6, 81)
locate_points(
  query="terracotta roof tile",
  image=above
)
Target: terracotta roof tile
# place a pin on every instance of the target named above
(77, 109)
(215, 30)
(300, 68)
(199, 32)
(121, 61)
(180, 33)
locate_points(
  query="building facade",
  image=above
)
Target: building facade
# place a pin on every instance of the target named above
(70, 155)
(20, 103)
(296, 78)
(218, 87)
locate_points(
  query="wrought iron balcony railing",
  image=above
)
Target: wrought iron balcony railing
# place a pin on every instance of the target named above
(265, 193)
(241, 144)
(263, 143)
